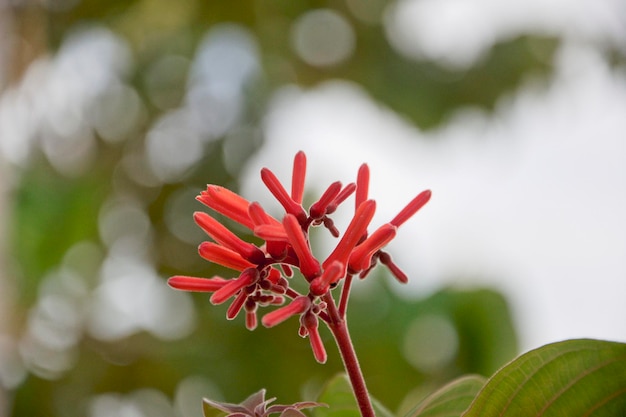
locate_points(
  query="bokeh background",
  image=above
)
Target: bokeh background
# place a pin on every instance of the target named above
(114, 115)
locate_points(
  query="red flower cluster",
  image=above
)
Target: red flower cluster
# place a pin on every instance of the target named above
(263, 270)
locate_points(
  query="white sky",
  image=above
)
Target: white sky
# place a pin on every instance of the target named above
(530, 199)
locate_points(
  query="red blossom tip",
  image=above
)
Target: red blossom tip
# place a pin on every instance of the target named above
(225, 237)
(321, 285)
(221, 255)
(247, 277)
(298, 177)
(278, 191)
(297, 306)
(197, 284)
(361, 256)
(362, 185)
(354, 232)
(228, 203)
(310, 322)
(309, 266)
(319, 208)
(411, 208)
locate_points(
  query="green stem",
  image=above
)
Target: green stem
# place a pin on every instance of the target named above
(339, 329)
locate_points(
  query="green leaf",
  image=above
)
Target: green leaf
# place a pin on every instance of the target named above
(571, 378)
(451, 400)
(341, 402)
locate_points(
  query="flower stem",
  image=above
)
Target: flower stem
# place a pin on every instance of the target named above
(339, 329)
(345, 294)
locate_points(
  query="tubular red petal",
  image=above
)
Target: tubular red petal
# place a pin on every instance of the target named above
(277, 250)
(411, 208)
(318, 209)
(274, 276)
(310, 322)
(225, 237)
(279, 192)
(317, 346)
(362, 185)
(247, 277)
(354, 232)
(330, 225)
(341, 197)
(186, 283)
(251, 320)
(297, 306)
(226, 202)
(309, 266)
(259, 216)
(235, 307)
(298, 177)
(386, 260)
(221, 255)
(286, 270)
(361, 256)
(320, 285)
(271, 232)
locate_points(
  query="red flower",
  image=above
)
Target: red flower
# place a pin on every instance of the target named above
(263, 270)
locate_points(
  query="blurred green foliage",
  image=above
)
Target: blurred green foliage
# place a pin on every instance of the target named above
(52, 212)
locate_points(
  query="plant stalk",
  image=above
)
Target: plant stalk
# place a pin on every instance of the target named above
(339, 329)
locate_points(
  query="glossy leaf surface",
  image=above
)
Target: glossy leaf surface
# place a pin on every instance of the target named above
(571, 378)
(451, 400)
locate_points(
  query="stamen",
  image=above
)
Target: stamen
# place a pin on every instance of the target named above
(411, 208)
(297, 306)
(186, 283)
(354, 232)
(247, 277)
(318, 209)
(225, 237)
(361, 256)
(223, 256)
(279, 192)
(298, 177)
(309, 266)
